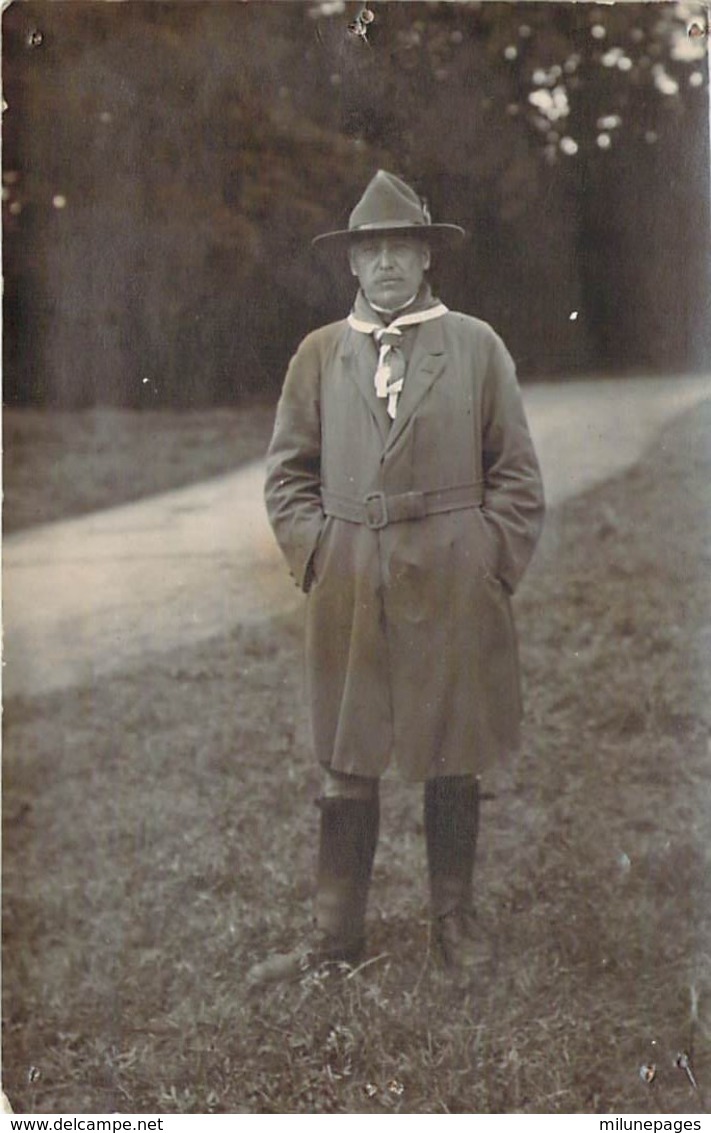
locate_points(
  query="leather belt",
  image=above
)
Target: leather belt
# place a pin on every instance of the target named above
(377, 510)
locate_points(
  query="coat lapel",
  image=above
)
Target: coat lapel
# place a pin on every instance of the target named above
(359, 360)
(426, 364)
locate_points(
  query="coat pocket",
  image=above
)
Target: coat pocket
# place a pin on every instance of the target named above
(314, 571)
(488, 545)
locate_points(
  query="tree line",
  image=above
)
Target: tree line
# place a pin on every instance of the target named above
(166, 165)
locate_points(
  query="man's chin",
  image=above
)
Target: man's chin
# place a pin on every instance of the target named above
(389, 298)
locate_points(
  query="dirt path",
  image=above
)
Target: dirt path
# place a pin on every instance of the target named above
(87, 596)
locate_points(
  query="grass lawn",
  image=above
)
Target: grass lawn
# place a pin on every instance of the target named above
(58, 464)
(159, 836)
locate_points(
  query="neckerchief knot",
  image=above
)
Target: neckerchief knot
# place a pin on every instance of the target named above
(389, 376)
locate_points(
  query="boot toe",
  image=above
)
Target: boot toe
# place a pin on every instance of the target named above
(279, 968)
(285, 967)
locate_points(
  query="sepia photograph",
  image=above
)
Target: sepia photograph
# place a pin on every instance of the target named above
(356, 745)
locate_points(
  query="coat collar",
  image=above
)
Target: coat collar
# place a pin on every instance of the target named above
(425, 367)
(359, 358)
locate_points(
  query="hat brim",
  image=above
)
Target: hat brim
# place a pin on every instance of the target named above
(439, 233)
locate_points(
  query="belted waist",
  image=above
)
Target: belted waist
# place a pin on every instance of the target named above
(376, 510)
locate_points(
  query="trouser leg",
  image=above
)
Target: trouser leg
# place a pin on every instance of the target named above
(451, 807)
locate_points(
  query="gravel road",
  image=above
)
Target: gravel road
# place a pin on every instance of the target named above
(87, 596)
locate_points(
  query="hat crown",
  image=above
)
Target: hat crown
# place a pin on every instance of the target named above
(390, 205)
(388, 202)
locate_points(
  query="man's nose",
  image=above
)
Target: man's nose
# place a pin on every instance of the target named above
(385, 256)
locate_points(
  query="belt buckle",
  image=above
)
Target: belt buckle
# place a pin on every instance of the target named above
(380, 519)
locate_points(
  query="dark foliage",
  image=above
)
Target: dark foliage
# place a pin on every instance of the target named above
(167, 163)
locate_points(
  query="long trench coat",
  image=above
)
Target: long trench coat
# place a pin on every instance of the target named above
(411, 654)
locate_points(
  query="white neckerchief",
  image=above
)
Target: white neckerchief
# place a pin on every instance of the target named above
(385, 386)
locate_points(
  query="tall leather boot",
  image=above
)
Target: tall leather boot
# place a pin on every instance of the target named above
(349, 836)
(451, 807)
(347, 843)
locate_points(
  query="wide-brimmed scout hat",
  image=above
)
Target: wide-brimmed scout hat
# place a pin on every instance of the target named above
(388, 205)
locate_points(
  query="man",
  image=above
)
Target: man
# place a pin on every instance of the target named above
(404, 492)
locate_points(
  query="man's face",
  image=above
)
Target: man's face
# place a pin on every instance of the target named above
(389, 268)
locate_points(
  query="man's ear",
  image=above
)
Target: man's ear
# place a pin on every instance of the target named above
(351, 262)
(426, 257)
